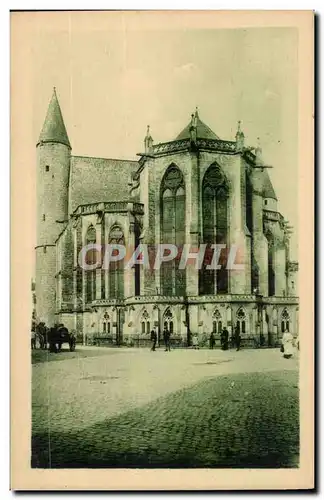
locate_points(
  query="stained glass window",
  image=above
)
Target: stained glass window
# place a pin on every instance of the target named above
(91, 259)
(173, 216)
(116, 268)
(215, 230)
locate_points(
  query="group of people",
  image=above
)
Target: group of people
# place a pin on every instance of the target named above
(226, 341)
(166, 339)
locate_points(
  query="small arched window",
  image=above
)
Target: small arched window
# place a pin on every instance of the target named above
(285, 321)
(241, 320)
(47, 168)
(143, 327)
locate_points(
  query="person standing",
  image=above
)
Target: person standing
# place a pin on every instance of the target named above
(166, 338)
(195, 343)
(288, 344)
(237, 338)
(212, 341)
(225, 336)
(33, 339)
(153, 339)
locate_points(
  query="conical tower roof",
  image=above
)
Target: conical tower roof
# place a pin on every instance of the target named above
(203, 131)
(54, 129)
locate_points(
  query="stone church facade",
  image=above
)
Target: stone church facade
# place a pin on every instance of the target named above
(196, 189)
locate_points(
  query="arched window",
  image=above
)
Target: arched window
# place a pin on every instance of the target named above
(168, 320)
(285, 321)
(217, 324)
(173, 216)
(106, 323)
(241, 320)
(215, 230)
(91, 258)
(116, 269)
(146, 325)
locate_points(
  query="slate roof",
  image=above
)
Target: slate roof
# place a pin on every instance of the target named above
(268, 191)
(203, 131)
(54, 129)
(104, 179)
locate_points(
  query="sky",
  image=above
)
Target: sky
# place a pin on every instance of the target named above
(112, 83)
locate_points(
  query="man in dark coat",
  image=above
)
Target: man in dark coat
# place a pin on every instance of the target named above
(212, 341)
(153, 339)
(237, 338)
(225, 336)
(166, 338)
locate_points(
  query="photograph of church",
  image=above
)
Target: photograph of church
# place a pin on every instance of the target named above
(197, 188)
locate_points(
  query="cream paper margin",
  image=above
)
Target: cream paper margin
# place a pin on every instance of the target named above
(24, 25)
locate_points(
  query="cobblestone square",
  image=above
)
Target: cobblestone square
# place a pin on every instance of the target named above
(101, 407)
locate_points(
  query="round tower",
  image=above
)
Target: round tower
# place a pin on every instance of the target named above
(53, 167)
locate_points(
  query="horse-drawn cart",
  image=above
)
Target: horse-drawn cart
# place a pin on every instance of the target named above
(57, 336)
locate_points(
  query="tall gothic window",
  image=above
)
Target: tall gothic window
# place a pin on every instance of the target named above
(215, 230)
(271, 272)
(79, 269)
(91, 259)
(103, 271)
(137, 231)
(116, 269)
(173, 200)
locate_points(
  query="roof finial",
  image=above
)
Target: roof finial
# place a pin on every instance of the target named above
(148, 141)
(196, 112)
(239, 137)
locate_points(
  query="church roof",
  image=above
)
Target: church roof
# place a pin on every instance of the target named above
(268, 191)
(203, 131)
(54, 129)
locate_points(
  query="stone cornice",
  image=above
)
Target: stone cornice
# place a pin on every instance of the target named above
(112, 206)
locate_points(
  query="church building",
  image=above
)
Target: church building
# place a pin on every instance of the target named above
(196, 189)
